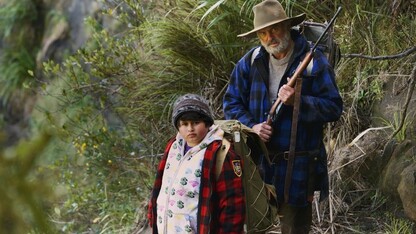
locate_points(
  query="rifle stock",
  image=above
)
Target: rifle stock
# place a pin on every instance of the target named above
(291, 83)
(302, 66)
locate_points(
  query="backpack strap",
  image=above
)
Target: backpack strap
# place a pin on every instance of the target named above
(309, 68)
(254, 54)
(260, 66)
(221, 153)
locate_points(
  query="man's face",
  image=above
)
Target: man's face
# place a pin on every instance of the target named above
(275, 39)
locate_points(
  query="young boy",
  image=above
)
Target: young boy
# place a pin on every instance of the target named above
(188, 196)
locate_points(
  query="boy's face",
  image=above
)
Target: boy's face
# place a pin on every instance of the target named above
(193, 131)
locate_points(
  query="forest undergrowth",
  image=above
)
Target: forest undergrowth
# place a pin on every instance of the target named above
(103, 112)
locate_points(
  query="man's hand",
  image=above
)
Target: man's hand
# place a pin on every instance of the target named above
(287, 95)
(264, 131)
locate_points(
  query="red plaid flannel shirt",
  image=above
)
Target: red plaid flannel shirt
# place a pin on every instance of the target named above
(221, 207)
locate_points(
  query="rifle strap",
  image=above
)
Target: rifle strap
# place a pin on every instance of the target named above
(309, 68)
(254, 54)
(292, 147)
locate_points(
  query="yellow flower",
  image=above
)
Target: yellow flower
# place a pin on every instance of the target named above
(83, 147)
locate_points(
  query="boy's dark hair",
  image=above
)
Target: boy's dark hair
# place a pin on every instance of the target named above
(194, 116)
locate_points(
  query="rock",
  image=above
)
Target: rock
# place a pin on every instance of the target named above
(407, 190)
(58, 31)
(389, 177)
(361, 160)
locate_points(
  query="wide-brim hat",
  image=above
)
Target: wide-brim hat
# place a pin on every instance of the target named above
(270, 12)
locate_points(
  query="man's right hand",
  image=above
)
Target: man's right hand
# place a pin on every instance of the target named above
(263, 130)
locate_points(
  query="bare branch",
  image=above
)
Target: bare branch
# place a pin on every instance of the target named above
(385, 57)
(409, 97)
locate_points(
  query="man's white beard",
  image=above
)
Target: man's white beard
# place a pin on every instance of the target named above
(283, 44)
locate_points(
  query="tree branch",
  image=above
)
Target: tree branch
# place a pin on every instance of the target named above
(401, 55)
(408, 99)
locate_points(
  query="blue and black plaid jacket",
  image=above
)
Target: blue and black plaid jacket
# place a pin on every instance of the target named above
(247, 100)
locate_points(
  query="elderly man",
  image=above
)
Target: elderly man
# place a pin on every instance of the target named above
(258, 79)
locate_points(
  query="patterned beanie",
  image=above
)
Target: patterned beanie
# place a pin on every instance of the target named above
(190, 103)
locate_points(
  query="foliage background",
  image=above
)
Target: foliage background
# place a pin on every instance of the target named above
(102, 114)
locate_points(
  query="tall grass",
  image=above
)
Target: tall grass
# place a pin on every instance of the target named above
(19, 34)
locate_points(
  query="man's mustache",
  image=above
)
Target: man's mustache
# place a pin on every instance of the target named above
(273, 41)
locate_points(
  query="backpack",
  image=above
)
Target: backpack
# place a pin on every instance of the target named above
(260, 198)
(312, 31)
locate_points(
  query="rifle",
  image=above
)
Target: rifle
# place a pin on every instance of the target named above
(302, 66)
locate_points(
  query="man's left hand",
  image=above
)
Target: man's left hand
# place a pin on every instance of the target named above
(287, 95)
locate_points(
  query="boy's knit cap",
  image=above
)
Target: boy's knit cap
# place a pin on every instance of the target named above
(191, 103)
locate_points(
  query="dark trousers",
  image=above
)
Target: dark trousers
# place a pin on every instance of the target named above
(295, 220)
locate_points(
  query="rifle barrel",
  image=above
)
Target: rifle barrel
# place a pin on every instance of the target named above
(326, 29)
